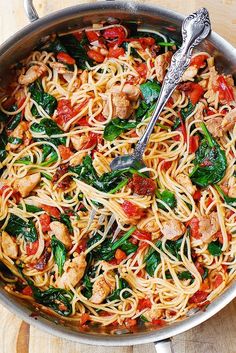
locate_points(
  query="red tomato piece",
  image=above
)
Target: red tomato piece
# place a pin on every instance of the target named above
(170, 102)
(65, 112)
(53, 211)
(78, 35)
(194, 143)
(120, 255)
(197, 195)
(100, 117)
(158, 322)
(116, 52)
(209, 112)
(194, 225)
(193, 90)
(130, 322)
(117, 33)
(96, 56)
(199, 268)
(65, 58)
(225, 91)
(4, 188)
(142, 70)
(31, 248)
(198, 297)
(144, 303)
(85, 318)
(65, 152)
(209, 201)
(27, 291)
(132, 210)
(81, 246)
(217, 281)
(45, 221)
(166, 165)
(92, 36)
(142, 186)
(199, 60)
(92, 140)
(142, 235)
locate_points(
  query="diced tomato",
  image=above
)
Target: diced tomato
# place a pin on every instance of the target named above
(199, 60)
(65, 152)
(60, 171)
(42, 261)
(65, 58)
(81, 246)
(142, 70)
(78, 35)
(31, 248)
(205, 286)
(120, 255)
(100, 117)
(209, 112)
(142, 235)
(85, 318)
(147, 42)
(53, 211)
(4, 188)
(197, 195)
(132, 210)
(193, 90)
(92, 36)
(83, 121)
(113, 262)
(158, 322)
(194, 225)
(209, 201)
(117, 33)
(65, 112)
(217, 281)
(142, 186)
(199, 267)
(96, 56)
(225, 91)
(130, 322)
(92, 140)
(142, 245)
(194, 143)
(27, 291)
(45, 221)
(116, 52)
(166, 165)
(144, 303)
(170, 102)
(198, 297)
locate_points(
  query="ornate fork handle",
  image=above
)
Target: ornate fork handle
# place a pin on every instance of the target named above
(195, 28)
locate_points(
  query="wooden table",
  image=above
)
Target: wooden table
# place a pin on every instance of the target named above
(217, 335)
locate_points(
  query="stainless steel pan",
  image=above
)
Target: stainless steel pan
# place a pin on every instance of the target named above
(17, 47)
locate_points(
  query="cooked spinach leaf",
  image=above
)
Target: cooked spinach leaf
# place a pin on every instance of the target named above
(215, 248)
(17, 226)
(185, 112)
(116, 127)
(150, 91)
(168, 197)
(13, 121)
(152, 259)
(14, 140)
(59, 253)
(76, 49)
(64, 218)
(49, 127)
(115, 295)
(31, 208)
(210, 161)
(44, 99)
(229, 200)
(88, 286)
(3, 143)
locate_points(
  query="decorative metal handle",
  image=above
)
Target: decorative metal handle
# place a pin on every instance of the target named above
(32, 13)
(195, 28)
(164, 346)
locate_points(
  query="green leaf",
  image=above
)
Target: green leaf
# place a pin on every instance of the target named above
(64, 218)
(88, 286)
(185, 275)
(44, 99)
(13, 121)
(168, 197)
(17, 226)
(152, 259)
(3, 143)
(128, 247)
(59, 253)
(14, 140)
(77, 49)
(150, 91)
(115, 295)
(185, 112)
(116, 127)
(31, 208)
(210, 161)
(229, 200)
(214, 248)
(49, 127)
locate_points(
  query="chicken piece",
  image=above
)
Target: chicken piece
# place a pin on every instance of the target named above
(190, 73)
(77, 159)
(17, 133)
(74, 271)
(59, 67)
(78, 141)
(132, 92)
(229, 120)
(185, 181)
(199, 112)
(173, 229)
(208, 226)
(26, 184)
(121, 106)
(31, 74)
(232, 191)
(84, 77)
(162, 63)
(152, 314)
(9, 247)
(61, 232)
(214, 125)
(102, 287)
(210, 95)
(20, 95)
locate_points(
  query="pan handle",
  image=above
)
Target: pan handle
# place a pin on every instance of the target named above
(164, 346)
(30, 11)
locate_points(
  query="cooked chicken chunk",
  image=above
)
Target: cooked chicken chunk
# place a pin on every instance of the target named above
(232, 191)
(185, 181)
(162, 63)
(214, 125)
(84, 77)
(152, 313)
(190, 73)
(59, 67)
(102, 287)
(173, 229)
(121, 106)
(31, 74)
(74, 271)
(132, 92)
(229, 120)
(78, 142)
(26, 184)
(61, 232)
(208, 226)
(17, 133)
(77, 159)
(9, 247)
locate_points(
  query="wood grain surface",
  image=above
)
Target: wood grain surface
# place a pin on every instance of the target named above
(217, 335)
